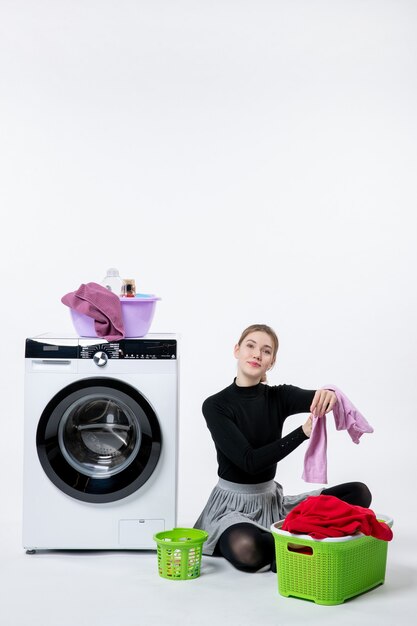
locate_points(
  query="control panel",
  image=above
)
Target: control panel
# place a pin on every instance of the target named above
(102, 351)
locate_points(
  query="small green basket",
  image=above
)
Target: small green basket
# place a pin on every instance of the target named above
(328, 571)
(179, 553)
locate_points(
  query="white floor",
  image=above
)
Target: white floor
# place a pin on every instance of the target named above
(124, 589)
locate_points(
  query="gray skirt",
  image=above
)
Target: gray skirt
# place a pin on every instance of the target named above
(231, 503)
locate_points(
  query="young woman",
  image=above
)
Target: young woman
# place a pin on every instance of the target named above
(245, 421)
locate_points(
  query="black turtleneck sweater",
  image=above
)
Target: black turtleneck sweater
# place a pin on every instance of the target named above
(246, 426)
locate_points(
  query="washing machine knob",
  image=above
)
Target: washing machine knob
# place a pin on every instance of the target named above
(100, 359)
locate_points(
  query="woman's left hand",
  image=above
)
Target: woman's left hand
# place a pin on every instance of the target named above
(323, 402)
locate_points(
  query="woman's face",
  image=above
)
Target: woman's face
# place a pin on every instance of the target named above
(254, 356)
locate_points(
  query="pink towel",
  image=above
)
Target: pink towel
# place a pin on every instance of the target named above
(347, 417)
(102, 305)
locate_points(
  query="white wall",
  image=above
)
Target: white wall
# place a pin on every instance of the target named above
(245, 160)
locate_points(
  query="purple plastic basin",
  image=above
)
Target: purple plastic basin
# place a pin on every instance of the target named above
(137, 317)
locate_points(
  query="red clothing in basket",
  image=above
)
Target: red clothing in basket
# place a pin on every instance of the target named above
(328, 516)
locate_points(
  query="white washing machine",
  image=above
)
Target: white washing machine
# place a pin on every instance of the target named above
(100, 442)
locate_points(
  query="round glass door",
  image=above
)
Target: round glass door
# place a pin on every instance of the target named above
(98, 440)
(99, 435)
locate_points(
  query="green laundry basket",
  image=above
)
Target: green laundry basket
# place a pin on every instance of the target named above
(179, 553)
(328, 571)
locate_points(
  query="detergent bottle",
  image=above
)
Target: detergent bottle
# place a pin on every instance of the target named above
(129, 288)
(113, 282)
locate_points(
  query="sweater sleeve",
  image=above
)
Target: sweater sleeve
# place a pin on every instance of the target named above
(234, 445)
(294, 399)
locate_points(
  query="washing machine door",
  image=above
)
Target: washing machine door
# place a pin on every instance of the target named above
(98, 440)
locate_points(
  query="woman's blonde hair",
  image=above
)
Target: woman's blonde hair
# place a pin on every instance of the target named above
(264, 329)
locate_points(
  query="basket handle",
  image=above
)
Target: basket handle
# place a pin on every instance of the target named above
(299, 548)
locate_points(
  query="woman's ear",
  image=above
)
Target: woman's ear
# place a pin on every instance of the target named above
(236, 351)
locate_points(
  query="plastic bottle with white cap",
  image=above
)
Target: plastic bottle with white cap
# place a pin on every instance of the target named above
(113, 282)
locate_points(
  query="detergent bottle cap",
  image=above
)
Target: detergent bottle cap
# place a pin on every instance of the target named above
(113, 271)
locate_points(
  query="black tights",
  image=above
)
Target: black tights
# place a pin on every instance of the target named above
(352, 493)
(249, 548)
(246, 546)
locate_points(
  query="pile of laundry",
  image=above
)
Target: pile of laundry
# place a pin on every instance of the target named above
(327, 516)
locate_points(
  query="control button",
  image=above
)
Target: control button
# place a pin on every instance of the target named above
(100, 359)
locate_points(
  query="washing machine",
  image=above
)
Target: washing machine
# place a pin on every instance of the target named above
(100, 442)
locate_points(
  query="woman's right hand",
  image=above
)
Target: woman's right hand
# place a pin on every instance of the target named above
(308, 426)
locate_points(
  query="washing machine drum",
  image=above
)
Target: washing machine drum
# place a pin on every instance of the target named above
(98, 440)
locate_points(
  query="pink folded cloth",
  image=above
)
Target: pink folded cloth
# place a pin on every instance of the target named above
(346, 417)
(102, 305)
